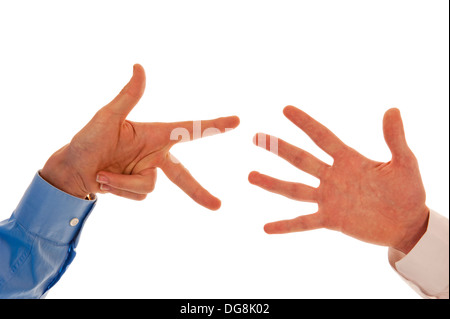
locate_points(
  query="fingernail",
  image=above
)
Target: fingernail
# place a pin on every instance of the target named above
(104, 187)
(102, 179)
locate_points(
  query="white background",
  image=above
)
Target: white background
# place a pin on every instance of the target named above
(343, 62)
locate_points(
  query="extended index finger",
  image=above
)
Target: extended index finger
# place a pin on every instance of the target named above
(321, 135)
(192, 130)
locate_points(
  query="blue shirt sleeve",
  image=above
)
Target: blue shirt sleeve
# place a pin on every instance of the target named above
(37, 243)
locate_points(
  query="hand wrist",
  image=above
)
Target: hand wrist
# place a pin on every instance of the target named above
(413, 236)
(61, 174)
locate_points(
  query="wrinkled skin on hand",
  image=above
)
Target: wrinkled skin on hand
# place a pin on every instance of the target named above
(112, 154)
(379, 203)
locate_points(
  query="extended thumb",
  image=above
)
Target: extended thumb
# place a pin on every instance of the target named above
(130, 94)
(394, 133)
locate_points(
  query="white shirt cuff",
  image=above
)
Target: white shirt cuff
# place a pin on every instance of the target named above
(426, 267)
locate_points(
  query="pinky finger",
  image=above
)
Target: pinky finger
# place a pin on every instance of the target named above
(301, 223)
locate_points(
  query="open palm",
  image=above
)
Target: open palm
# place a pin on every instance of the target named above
(380, 203)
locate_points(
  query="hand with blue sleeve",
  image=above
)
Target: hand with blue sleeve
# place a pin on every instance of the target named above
(109, 155)
(112, 154)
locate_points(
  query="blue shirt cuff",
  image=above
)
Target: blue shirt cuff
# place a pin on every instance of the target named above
(52, 214)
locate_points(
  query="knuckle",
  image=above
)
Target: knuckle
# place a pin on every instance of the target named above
(293, 189)
(149, 187)
(298, 161)
(196, 194)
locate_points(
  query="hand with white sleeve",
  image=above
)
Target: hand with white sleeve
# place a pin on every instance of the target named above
(379, 203)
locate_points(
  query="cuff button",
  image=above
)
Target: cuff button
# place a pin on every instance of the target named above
(74, 222)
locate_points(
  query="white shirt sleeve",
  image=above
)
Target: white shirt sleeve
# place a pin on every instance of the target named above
(426, 267)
